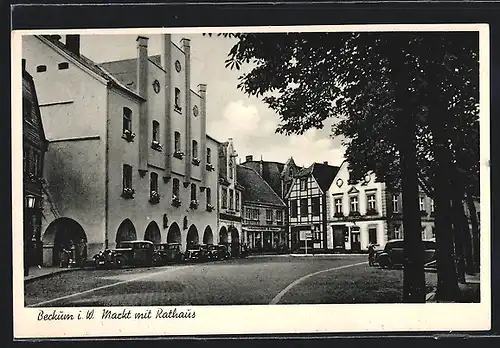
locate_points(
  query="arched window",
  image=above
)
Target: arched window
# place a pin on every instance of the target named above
(195, 149)
(178, 99)
(127, 119)
(230, 168)
(177, 141)
(156, 131)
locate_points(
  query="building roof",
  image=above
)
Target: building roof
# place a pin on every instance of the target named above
(323, 173)
(125, 70)
(271, 172)
(257, 190)
(87, 63)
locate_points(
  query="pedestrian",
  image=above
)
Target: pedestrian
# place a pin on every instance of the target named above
(371, 254)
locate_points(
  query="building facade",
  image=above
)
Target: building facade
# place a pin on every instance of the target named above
(369, 212)
(34, 148)
(129, 157)
(308, 204)
(229, 202)
(263, 212)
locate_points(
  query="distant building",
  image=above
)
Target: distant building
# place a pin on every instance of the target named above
(370, 212)
(264, 212)
(128, 156)
(308, 204)
(34, 148)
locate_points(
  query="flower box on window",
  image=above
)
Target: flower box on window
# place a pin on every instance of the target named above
(354, 214)
(179, 154)
(155, 145)
(154, 197)
(210, 207)
(338, 215)
(371, 211)
(177, 108)
(128, 192)
(423, 213)
(210, 167)
(128, 135)
(196, 161)
(176, 202)
(193, 204)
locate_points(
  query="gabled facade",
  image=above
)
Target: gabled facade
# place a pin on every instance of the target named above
(34, 149)
(263, 212)
(308, 207)
(230, 207)
(369, 212)
(129, 156)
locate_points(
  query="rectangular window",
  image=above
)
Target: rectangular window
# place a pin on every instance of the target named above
(224, 198)
(156, 131)
(338, 205)
(279, 217)
(237, 201)
(209, 155)
(231, 200)
(293, 208)
(175, 188)
(303, 184)
(195, 149)
(433, 232)
(269, 216)
(421, 202)
(372, 235)
(423, 234)
(177, 141)
(127, 120)
(315, 206)
(127, 176)
(432, 206)
(303, 207)
(209, 195)
(395, 203)
(372, 202)
(153, 183)
(398, 234)
(231, 168)
(193, 192)
(177, 105)
(354, 204)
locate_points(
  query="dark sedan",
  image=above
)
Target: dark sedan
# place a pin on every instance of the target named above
(393, 254)
(197, 252)
(218, 252)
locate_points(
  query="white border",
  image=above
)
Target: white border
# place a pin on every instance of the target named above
(280, 319)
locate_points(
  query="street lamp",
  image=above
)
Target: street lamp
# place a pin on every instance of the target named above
(30, 201)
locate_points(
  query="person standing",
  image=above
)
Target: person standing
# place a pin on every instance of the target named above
(371, 255)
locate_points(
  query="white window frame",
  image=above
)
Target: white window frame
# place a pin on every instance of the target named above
(421, 203)
(353, 201)
(395, 203)
(370, 201)
(338, 205)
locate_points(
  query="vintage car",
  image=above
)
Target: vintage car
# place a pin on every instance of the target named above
(218, 252)
(167, 253)
(393, 254)
(127, 253)
(197, 252)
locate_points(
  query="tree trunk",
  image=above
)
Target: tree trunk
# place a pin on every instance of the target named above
(447, 287)
(458, 233)
(475, 231)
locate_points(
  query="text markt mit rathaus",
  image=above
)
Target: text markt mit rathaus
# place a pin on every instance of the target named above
(148, 314)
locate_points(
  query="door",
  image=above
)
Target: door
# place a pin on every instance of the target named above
(338, 238)
(355, 240)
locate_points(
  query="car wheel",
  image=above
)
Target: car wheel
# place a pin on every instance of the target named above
(384, 262)
(120, 261)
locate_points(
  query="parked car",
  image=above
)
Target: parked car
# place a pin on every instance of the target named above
(393, 255)
(166, 253)
(197, 252)
(127, 253)
(218, 252)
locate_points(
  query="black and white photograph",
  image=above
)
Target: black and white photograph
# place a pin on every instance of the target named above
(251, 180)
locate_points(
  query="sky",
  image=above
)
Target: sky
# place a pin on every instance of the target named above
(230, 113)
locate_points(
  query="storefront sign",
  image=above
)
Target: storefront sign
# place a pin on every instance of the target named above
(305, 235)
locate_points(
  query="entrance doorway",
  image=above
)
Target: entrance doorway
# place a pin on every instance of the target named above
(355, 240)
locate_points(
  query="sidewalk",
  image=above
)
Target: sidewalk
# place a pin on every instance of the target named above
(41, 272)
(469, 291)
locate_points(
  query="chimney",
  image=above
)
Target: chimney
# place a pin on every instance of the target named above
(325, 162)
(23, 64)
(166, 61)
(261, 167)
(73, 43)
(249, 158)
(186, 48)
(142, 89)
(202, 90)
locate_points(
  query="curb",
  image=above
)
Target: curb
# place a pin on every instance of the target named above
(47, 275)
